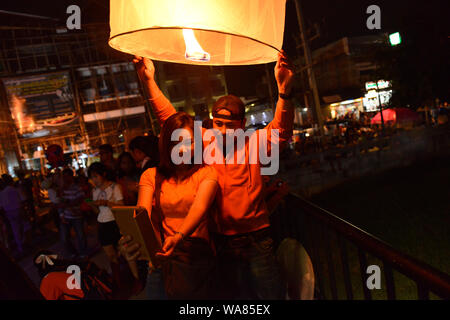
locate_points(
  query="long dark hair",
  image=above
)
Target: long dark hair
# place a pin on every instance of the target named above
(98, 168)
(166, 167)
(134, 171)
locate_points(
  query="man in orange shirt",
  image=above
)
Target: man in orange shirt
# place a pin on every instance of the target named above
(247, 265)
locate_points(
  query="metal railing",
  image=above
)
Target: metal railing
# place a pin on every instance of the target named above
(341, 252)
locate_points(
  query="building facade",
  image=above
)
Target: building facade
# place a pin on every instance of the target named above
(342, 69)
(68, 87)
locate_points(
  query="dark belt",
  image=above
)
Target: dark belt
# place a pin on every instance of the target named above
(243, 238)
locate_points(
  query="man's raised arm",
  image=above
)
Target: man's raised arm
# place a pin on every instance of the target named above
(284, 113)
(161, 105)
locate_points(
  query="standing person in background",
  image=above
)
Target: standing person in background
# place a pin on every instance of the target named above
(12, 201)
(128, 178)
(3, 229)
(145, 152)
(107, 159)
(83, 181)
(106, 195)
(25, 184)
(52, 185)
(71, 216)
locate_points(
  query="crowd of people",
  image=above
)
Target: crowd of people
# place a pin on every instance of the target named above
(107, 183)
(213, 219)
(338, 134)
(17, 210)
(355, 128)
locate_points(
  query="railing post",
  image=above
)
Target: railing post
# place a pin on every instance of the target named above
(318, 263)
(427, 278)
(363, 269)
(390, 284)
(345, 268)
(330, 266)
(422, 292)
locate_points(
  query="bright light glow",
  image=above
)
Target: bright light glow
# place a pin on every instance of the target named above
(370, 85)
(395, 39)
(348, 101)
(333, 113)
(194, 51)
(307, 134)
(305, 109)
(233, 32)
(382, 84)
(371, 99)
(24, 122)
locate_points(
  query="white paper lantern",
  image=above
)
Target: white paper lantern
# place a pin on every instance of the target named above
(212, 32)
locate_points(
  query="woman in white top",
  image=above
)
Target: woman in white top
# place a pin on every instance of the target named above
(106, 195)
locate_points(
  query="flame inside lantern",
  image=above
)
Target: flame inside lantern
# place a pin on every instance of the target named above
(194, 51)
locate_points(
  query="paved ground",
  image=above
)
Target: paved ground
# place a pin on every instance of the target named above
(49, 239)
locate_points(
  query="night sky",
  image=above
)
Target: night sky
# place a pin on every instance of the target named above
(335, 19)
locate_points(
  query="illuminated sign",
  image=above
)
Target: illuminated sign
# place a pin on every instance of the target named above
(382, 84)
(371, 100)
(40, 103)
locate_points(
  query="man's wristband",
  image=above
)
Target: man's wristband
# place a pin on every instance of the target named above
(285, 96)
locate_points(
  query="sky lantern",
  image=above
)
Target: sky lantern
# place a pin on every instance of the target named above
(205, 32)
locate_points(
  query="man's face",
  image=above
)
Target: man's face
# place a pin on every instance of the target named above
(223, 124)
(138, 155)
(97, 179)
(105, 156)
(67, 179)
(126, 164)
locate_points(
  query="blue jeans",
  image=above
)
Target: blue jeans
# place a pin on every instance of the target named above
(78, 226)
(189, 273)
(247, 267)
(15, 220)
(155, 286)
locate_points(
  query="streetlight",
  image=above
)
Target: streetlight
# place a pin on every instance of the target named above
(395, 39)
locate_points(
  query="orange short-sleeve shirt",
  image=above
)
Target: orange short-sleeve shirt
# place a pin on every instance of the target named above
(177, 198)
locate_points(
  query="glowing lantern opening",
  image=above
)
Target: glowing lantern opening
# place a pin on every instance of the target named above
(194, 51)
(219, 32)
